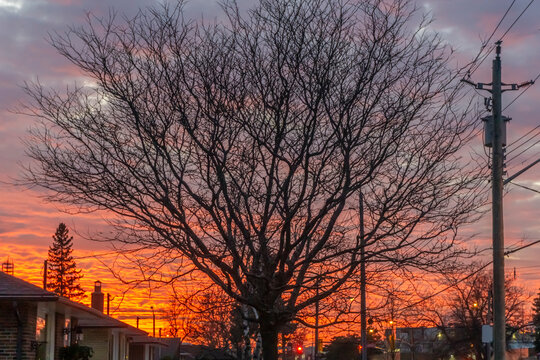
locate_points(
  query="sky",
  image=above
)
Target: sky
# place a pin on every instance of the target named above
(27, 222)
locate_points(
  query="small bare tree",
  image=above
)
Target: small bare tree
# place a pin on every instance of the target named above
(181, 323)
(208, 316)
(466, 306)
(242, 145)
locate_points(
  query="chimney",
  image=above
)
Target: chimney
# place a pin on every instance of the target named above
(97, 297)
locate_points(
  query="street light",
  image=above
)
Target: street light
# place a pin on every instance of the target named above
(392, 340)
(153, 322)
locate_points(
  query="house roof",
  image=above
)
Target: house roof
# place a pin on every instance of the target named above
(148, 340)
(99, 319)
(12, 288)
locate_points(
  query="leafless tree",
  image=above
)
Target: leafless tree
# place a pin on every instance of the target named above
(242, 145)
(467, 306)
(201, 315)
(207, 316)
(181, 323)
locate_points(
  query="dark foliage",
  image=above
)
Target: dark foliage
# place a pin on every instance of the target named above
(76, 352)
(536, 322)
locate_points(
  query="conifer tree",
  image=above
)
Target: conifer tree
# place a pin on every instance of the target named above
(536, 321)
(63, 273)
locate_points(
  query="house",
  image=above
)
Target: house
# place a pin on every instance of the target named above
(35, 324)
(422, 343)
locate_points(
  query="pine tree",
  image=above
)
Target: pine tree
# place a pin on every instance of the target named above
(63, 273)
(536, 321)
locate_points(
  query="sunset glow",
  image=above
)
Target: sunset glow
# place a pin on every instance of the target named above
(28, 218)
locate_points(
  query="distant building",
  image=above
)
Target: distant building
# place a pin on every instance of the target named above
(35, 324)
(184, 351)
(423, 343)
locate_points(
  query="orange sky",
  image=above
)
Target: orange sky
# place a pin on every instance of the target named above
(27, 223)
(28, 261)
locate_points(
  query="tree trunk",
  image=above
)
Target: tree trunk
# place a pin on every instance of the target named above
(269, 336)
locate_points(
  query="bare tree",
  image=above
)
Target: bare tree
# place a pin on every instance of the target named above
(467, 306)
(208, 316)
(242, 145)
(203, 316)
(214, 308)
(181, 323)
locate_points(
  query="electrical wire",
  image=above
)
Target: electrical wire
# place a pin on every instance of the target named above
(523, 143)
(515, 156)
(517, 19)
(514, 166)
(474, 64)
(506, 253)
(525, 187)
(95, 255)
(521, 93)
(528, 132)
(500, 22)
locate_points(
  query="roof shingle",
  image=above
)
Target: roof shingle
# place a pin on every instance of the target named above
(12, 288)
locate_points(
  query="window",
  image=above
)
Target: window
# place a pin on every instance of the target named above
(67, 332)
(41, 337)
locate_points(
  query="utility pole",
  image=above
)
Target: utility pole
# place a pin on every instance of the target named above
(499, 346)
(316, 352)
(495, 137)
(153, 322)
(489, 319)
(363, 312)
(45, 270)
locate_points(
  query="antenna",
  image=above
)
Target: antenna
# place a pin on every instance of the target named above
(8, 267)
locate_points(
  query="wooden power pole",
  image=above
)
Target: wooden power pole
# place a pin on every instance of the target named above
(495, 137)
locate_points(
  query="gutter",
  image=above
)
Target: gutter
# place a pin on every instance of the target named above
(29, 297)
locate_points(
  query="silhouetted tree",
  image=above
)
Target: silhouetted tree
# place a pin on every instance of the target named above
(467, 306)
(181, 323)
(242, 145)
(536, 321)
(343, 348)
(63, 275)
(209, 317)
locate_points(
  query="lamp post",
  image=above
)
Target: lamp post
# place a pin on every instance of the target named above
(153, 322)
(392, 340)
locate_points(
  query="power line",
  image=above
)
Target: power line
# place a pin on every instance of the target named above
(476, 66)
(515, 156)
(473, 63)
(515, 21)
(522, 144)
(521, 93)
(95, 255)
(500, 22)
(528, 132)
(527, 160)
(525, 187)
(521, 247)
(506, 253)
